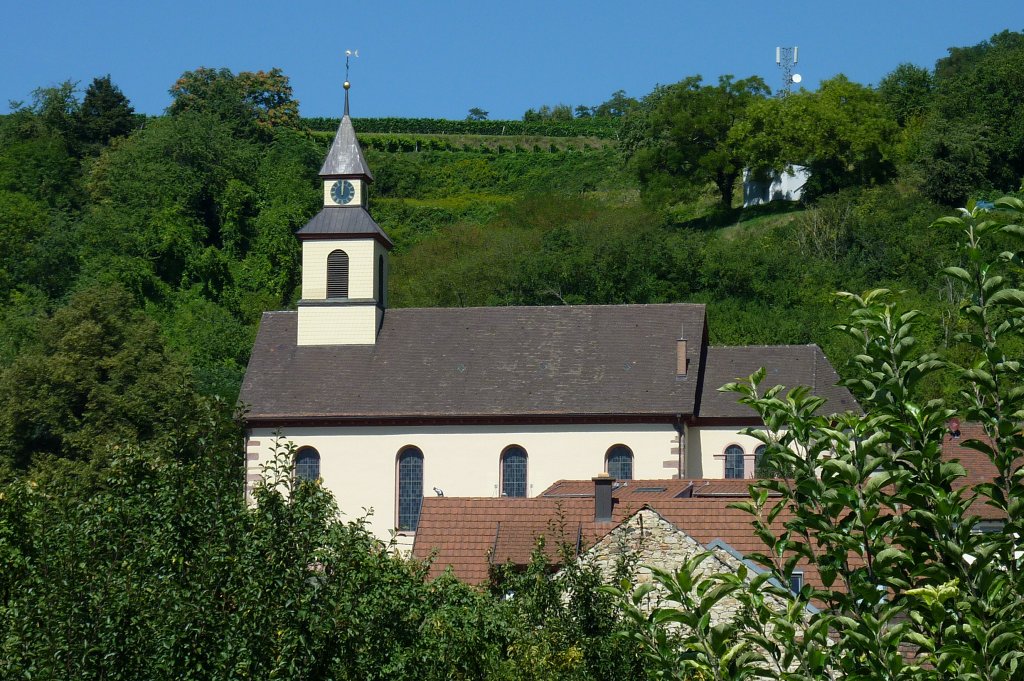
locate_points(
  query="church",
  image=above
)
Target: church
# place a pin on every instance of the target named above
(386, 406)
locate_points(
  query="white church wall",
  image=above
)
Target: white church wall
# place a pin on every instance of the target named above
(362, 258)
(705, 450)
(785, 186)
(358, 464)
(338, 324)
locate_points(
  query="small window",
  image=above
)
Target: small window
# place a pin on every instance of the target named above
(513, 472)
(759, 461)
(734, 462)
(796, 582)
(619, 462)
(337, 274)
(410, 488)
(381, 286)
(307, 464)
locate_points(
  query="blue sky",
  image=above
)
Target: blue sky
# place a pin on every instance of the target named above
(438, 59)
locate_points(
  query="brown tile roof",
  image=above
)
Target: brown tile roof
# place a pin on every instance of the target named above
(592, 360)
(788, 365)
(584, 360)
(649, 490)
(978, 466)
(472, 534)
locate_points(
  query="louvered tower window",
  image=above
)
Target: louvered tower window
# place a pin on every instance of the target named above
(337, 274)
(513, 472)
(734, 462)
(410, 488)
(620, 462)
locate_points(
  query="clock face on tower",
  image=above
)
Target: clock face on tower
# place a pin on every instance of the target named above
(343, 192)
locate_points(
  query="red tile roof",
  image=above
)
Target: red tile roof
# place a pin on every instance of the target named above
(978, 466)
(470, 534)
(649, 490)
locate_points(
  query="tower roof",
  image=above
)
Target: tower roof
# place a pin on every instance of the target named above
(340, 222)
(345, 156)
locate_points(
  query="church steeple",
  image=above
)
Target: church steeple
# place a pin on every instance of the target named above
(345, 157)
(344, 252)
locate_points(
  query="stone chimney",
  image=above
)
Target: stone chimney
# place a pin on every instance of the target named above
(603, 498)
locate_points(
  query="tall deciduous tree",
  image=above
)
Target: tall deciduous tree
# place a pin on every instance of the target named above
(98, 374)
(907, 91)
(842, 133)
(686, 134)
(260, 98)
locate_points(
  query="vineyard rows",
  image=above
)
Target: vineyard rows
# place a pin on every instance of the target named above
(474, 143)
(603, 128)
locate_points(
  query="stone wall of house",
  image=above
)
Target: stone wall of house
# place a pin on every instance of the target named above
(647, 540)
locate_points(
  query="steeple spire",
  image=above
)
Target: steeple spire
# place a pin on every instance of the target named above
(345, 157)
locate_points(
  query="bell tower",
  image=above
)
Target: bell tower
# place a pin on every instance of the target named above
(344, 252)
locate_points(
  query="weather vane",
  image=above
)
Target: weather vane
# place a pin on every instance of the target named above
(348, 55)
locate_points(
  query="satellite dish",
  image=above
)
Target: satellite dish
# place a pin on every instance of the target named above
(797, 77)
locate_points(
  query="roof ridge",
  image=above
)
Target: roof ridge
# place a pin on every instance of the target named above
(777, 345)
(559, 307)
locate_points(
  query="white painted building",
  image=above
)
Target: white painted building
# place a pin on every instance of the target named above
(785, 186)
(388, 405)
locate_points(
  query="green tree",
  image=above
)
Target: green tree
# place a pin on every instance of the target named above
(907, 91)
(98, 373)
(477, 114)
(105, 112)
(842, 133)
(261, 98)
(686, 140)
(979, 93)
(871, 505)
(616, 106)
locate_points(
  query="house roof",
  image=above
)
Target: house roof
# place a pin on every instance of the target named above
(788, 365)
(345, 157)
(590, 361)
(343, 221)
(649, 490)
(978, 466)
(585, 360)
(472, 534)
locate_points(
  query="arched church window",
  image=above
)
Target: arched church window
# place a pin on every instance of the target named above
(513, 472)
(337, 274)
(307, 464)
(734, 462)
(410, 488)
(619, 462)
(759, 468)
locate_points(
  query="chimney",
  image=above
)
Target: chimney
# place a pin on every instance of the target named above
(603, 498)
(681, 353)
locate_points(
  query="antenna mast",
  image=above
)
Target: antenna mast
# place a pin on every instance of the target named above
(786, 58)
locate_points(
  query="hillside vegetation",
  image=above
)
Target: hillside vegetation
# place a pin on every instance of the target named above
(139, 253)
(181, 227)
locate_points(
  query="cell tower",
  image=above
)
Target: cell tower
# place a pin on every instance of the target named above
(786, 58)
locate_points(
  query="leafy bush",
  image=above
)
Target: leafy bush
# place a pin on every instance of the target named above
(910, 586)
